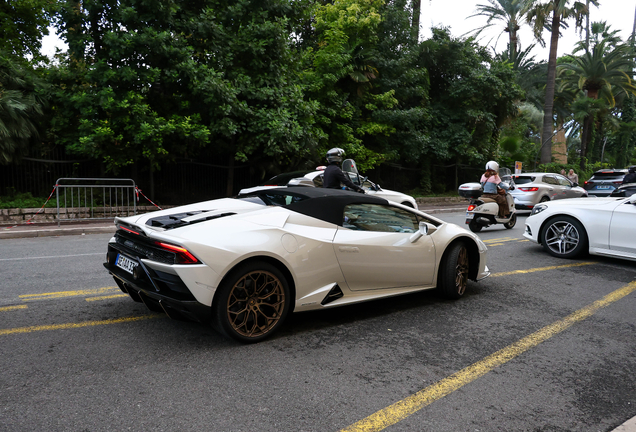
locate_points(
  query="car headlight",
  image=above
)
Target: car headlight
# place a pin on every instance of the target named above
(538, 209)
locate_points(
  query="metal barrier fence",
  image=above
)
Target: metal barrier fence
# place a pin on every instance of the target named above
(94, 198)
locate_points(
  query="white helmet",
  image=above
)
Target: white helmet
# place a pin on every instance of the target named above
(335, 155)
(492, 165)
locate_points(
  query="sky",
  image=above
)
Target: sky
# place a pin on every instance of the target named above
(619, 14)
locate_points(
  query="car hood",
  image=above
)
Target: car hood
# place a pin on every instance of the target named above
(583, 203)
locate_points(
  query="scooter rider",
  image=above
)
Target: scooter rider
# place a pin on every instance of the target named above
(491, 182)
(333, 176)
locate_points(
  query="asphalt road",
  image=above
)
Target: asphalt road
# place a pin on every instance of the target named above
(541, 345)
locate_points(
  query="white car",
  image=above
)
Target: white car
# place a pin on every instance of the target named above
(314, 179)
(245, 264)
(570, 228)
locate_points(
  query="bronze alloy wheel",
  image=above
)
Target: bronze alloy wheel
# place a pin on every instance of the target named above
(461, 278)
(256, 303)
(454, 270)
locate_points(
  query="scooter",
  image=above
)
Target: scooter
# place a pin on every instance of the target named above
(482, 212)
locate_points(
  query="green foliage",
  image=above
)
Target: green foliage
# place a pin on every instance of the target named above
(471, 103)
(24, 200)
(153, 80)
(20, 108)
(23, 24)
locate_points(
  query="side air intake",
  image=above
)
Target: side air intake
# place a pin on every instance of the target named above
(334, 294)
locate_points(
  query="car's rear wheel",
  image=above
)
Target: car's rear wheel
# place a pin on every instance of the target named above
(564, 237)
(453, 274)
(474, 226)
(252, 302)
(408, 204)
(512, 222)
(544, 199)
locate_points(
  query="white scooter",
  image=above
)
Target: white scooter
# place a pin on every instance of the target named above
(482, 212)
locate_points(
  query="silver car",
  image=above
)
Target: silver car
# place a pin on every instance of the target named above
(534, 188)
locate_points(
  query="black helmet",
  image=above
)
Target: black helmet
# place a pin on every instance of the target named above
(335, 155)
(632, 169)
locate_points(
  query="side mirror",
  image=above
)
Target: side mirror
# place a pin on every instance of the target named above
(632, 199)
(425, 229)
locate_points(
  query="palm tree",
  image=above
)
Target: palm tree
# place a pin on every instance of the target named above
(599, 73)
(508, 12)
(539, 15)
(20, 109)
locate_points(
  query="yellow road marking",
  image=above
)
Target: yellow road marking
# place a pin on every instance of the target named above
(404, 408)
(540, 269)
(76, 325)
(106, 297)
(10, 308)
(62, 294)
(499, 240)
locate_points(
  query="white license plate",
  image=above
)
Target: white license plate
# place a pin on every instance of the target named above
(470, 215)
(125, 264)
(603, 187)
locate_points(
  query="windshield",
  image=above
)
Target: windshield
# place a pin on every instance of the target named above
(349, 165)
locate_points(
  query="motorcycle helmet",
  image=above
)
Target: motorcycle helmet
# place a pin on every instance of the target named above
(632, 169)
(492, 165)
(335, 155)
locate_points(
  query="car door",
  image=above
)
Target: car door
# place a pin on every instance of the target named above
(623, 228)
(374, 250)
(552, 187)
(565, 187)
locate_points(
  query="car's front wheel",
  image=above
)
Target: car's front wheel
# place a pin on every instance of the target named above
(453, 274)
(564, 237)
(252, 302)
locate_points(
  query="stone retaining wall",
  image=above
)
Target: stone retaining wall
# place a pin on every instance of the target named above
(49, 215)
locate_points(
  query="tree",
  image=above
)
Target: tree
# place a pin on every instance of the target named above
(156, 80)
(598, 73)
(539, 15)
(471, 97)
(20, 108)
(342, 76)
(23, 24)
(508, 12)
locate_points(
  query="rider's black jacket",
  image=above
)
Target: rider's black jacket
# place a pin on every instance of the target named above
(629, 178)
(333, 177)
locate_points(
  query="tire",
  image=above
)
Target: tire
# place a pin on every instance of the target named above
(453, 274)
(408, 204)
(512, 222)
(564, 237)
(544, 199)
(474, 226)
(252, 302)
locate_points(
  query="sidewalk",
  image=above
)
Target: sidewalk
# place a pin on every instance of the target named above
(107, 226)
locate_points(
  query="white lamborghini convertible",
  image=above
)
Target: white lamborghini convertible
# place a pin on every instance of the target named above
(245, 264)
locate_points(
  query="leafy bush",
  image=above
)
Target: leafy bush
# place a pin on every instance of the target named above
(24, 200)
